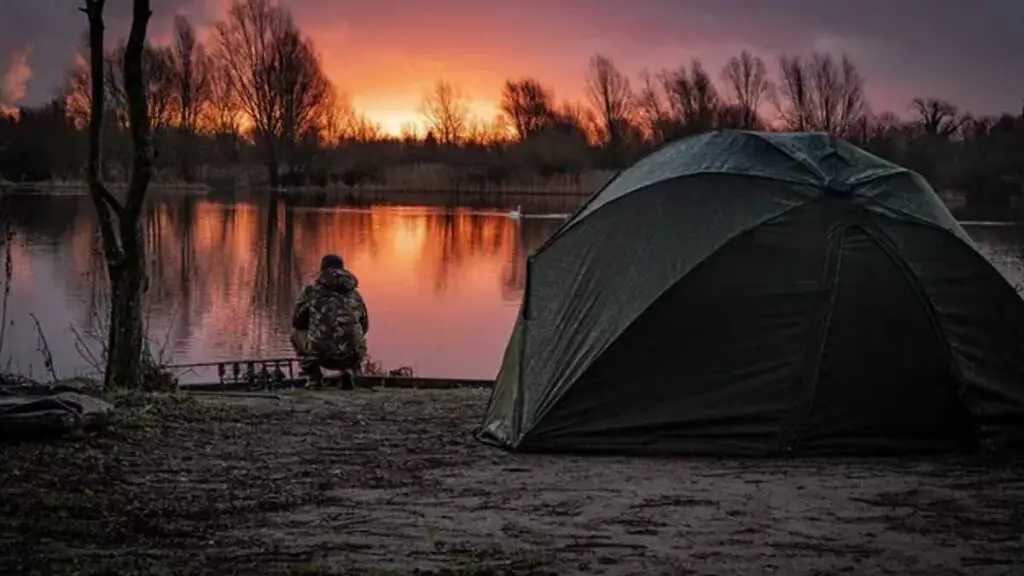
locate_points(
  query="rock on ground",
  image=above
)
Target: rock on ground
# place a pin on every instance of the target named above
(391, 482)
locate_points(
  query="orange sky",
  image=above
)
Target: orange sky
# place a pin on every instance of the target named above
(395, 67)
(386, 53)
(388, 84)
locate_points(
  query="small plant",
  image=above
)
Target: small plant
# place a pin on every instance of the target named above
(91, 346)
(43, 347)
(373, 367)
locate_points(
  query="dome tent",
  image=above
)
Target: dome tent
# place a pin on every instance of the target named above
(760, 293)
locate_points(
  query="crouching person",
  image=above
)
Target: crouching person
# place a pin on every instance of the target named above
(330, 323)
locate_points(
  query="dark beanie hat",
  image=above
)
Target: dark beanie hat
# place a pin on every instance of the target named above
(332, 261)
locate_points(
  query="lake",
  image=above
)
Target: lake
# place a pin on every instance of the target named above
(443, 283)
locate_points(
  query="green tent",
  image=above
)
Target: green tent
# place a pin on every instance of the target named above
(761, 293)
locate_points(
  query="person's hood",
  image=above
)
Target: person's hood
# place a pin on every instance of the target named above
(337, 280)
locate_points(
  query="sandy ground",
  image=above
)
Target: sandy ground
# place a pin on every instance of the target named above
(392, 482)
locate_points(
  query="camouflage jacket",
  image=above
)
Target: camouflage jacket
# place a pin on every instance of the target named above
(334, 313)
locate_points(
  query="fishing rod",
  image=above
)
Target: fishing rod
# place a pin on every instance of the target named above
(256, 371)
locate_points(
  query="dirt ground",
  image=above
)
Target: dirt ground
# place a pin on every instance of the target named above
(393, 482)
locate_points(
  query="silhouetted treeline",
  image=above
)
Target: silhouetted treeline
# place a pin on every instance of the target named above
(254, 104)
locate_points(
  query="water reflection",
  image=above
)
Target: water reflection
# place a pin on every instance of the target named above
(443, 284)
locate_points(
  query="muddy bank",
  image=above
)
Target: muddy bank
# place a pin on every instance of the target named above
(375, 482)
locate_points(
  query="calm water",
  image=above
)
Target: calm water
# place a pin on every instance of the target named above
(443, 284)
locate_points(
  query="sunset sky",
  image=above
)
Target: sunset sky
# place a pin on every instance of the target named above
(385, 53)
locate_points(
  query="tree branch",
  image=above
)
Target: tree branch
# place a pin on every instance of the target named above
(138, 112)
(111, 200)
(101, 198)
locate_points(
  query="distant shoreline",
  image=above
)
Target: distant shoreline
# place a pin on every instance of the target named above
(404, 184)
(397, 181)
(81, 187)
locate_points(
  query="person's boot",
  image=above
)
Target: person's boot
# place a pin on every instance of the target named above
(348, 380)
(314, 379)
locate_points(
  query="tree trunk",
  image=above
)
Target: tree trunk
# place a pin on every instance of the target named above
(120, 222)
(275, 176)
(126, 339)
(274, 168)
(128, 284)
(187, 144)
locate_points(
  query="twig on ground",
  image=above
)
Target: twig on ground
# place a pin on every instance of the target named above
(44, 348)
(85, 351)
(162, 358)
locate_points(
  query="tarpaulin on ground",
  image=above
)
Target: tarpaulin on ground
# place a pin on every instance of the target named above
(30, 410)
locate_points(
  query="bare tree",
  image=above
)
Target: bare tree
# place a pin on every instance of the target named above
(839, 91)
(936, 117)
(820, 94)
(191, 88)
(693, 98)
(528, 106)
(158, 76)
(275, 76)
(886, 123)
(409, 133)
(611, 98)
(484, 133)
(222, 116)
(342, 123)
(652, 109)
(339, 117)
(124, 245)
(886, 134)
(747, 84)
(793, 98)
(576, 119)
(77, 91)
(191, 72)
(223, 113)
(159, 85)
(359, 128)
(446, 112)
(304, 91)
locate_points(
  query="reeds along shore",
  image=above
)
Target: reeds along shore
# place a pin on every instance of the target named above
(413, 184)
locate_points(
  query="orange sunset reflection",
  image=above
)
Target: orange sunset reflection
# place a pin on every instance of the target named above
(443, 284)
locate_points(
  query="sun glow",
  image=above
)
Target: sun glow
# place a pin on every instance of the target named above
(401, 118)
(394, 122)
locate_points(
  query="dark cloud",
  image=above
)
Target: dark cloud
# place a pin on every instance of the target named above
(967, 51)
(53, 29)
(46, 28)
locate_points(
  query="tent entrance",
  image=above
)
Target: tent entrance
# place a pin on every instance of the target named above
(879, 376)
